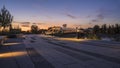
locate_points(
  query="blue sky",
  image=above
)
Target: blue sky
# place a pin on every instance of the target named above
(64, 11)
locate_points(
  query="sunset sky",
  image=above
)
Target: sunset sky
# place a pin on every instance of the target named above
(58, 12)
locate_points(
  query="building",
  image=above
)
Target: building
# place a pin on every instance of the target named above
(53, 30)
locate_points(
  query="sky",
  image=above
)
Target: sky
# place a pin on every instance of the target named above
(71, 12)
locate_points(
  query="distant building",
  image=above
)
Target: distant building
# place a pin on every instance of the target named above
(89, 30)
(53, 30)
(58, 29)
(68, 30)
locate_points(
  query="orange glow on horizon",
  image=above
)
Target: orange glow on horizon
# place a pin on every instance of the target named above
(46, 25)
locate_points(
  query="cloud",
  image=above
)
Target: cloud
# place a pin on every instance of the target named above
(70, 15)
(25, 23)
(94, 20)
(40, 23)
(88, 16)
(100, 16)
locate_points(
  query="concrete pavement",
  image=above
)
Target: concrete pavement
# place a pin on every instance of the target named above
(14, 54)
(66, 54)
(36, 51)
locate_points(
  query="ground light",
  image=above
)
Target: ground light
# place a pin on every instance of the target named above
(12, 54)
(10, 44)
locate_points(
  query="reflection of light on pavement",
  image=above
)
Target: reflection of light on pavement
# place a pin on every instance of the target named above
(67, 39)
(72, 39)
(8, 44)
(12, 54)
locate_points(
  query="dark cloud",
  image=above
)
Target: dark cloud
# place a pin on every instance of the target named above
(40, 23)
(67, 12)
(25, 23)
(100, 16)
(70, 15)
(95, 20)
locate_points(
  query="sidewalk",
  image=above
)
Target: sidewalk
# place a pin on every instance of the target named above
(13, 54)
(67, 54)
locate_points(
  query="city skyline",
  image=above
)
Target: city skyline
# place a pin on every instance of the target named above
(58, 12)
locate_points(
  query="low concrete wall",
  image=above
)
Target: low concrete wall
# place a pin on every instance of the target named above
(2, 39)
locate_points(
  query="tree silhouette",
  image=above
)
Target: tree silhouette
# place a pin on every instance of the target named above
(5, 18)
(34, 29)
(96, 29)
(117, 28)
(64, 25)
(104, 29)
(0, 19)
(109, 30)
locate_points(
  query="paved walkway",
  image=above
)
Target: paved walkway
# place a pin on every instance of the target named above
(67, 54)
(36, 51)
(14, 54)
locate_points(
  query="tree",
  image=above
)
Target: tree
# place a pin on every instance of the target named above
(34, 29)
(119, 28)
(5, 18)
(113, 29)
(117, 31)
(64, 25)
(104, 29)
(0, 19)
(109, 30)
(96, 29)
